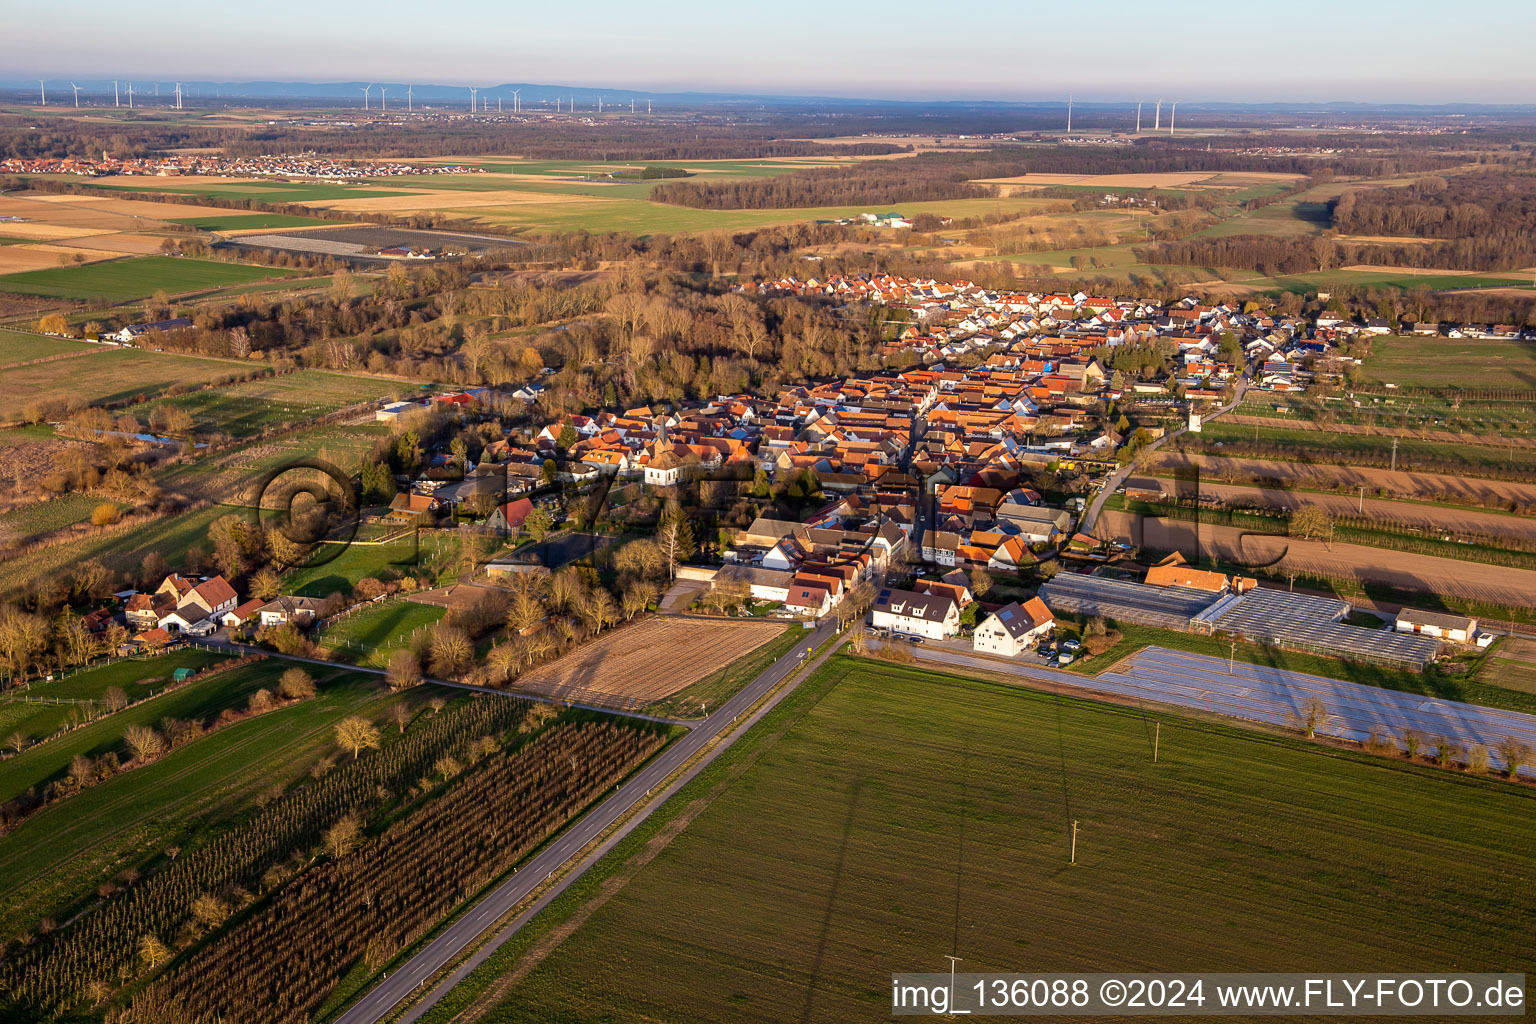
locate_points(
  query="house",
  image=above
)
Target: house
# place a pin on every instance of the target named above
(934, 616)
(1037, 524)
(762, 584)
(414, 507)
(194, 603)
(509, 518)
(809, 597)
(243, 613)
(280, 611)
(143, 611)
(1458, 629)
(134, 331)
(1013, 628)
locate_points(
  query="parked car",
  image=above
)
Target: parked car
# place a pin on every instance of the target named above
(914, 639)
(1071, 645)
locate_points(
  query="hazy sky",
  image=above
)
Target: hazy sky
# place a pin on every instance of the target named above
(1195, 50)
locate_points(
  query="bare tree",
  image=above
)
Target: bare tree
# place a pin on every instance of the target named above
(404, 669)
(143, 742)
(356, 734)
(1514, 753)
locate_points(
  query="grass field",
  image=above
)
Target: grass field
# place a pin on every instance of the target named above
(137, 678)
(53, 514)
(251, 407)
(883, 818)
(370, 636)
(342, 570)
(1441, 362)
(218, 221)
(16, 347)
(1312, 445)
(61, 854)
(103, 375)
(172, 537)
(123, 280)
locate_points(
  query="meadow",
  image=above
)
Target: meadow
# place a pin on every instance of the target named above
(53, 514)
(103, 375)
(883, 817)
(369, 636)
(126, 279)
(251, 407)
(62, 853)
(218, 221)
(16, 347)
(1433, 362)
(172, 536)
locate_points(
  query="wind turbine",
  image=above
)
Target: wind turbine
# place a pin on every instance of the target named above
(410, 101)
(1138, 117)
(44, 90)
(365, 90)
(130, 95)
(115, 101)
(599, 104)
(557, 104)
(1172, 111)
(75, 87)
(383, 98)
(178, 95)
(1069, 115)
(647, 106)
(517, 104)
(473, 92)
(1157, 122)
(498, 104)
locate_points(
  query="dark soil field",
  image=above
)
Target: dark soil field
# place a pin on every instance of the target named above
(361, 244)
(883, 818)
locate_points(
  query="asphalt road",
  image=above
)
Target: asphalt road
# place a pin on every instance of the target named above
(1113, 482)
(1272, 696)
(380, 1001)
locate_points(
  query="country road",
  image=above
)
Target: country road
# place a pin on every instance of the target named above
(1113, 482)
(395, 988)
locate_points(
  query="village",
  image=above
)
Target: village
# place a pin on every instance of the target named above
(301, 165)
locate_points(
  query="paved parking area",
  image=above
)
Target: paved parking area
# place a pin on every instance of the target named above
(1258, 693)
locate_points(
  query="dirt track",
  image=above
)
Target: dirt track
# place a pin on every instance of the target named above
(1458, 522)
(1399, 484)
(1446, 577)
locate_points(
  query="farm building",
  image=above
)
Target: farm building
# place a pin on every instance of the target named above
(1458, 629)
(763, 584)
(1013, 627)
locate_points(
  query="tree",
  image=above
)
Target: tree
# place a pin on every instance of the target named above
(1309, 522)
(266, 584)
(143, 742)
(452, 650)
(296, 684)
(599, 610)
(153, 952)
(356, 734)
(637, 596)
(538, 523)
(1514, 754)
(1312, 714)
(674, 536)
(343, 837)
(981, 582)
(209, 911)
(53, 323)
(404, 669)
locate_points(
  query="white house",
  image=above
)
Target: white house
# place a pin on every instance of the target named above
(1458, 629)
(1013, 628)
(934, 616)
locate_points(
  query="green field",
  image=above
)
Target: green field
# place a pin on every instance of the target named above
(136, 677)
(172, 536)
(261, 191)
(369, 636)
(884, 817)
(104, 375)
(122, 280)
(1446, 362)
(62, 853)
(251, 407)
(16, 347)
(248, 221)
(53, 514)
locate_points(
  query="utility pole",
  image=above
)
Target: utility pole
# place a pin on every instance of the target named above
(1074, 840)
(1157, 737)
(1394, 455)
